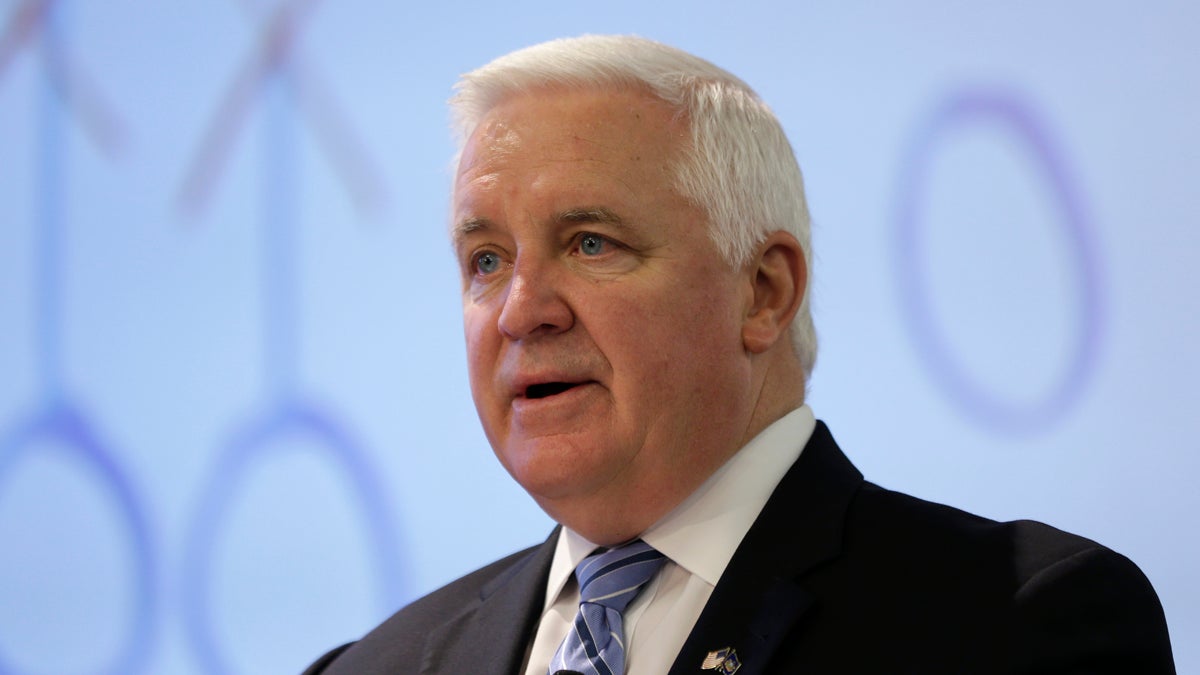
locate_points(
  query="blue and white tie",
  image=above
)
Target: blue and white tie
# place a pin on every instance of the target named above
(608, 582)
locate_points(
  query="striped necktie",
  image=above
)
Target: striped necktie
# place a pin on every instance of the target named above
(608, 582)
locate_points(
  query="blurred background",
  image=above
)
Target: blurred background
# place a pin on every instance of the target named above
(235, 428)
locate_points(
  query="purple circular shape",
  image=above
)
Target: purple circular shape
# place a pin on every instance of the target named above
(971, 396)
(63, 422)
(251, 443)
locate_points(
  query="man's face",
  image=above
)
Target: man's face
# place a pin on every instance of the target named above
(603, 328)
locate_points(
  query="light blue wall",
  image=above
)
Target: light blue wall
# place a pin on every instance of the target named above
(234, 421)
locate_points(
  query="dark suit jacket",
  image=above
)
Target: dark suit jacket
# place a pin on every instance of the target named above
(836, 575)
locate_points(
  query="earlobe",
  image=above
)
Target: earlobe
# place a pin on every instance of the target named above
(780, 280)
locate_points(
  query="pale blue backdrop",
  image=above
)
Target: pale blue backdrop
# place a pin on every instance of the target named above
(234, 421)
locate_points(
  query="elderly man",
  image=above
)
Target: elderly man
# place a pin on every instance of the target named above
(631, 229)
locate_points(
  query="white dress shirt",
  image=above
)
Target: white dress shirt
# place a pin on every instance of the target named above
(698, 537)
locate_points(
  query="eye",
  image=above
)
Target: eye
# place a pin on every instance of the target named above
(485, 262)
(591, 244)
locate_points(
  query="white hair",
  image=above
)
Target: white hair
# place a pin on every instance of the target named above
(740, 167)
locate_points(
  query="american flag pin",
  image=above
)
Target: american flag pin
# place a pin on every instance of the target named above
(724, 661)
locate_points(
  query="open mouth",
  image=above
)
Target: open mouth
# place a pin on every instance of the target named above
(549, 389)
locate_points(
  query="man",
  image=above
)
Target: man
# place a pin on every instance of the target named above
(633, 238)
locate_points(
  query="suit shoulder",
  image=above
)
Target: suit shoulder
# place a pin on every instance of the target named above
(1093, 597)
(445, 602)
(921, 537)
(1061, 600)
(913, 521)
(401, 638)
(448, 601)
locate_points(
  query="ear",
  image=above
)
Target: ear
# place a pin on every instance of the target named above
(779, 278)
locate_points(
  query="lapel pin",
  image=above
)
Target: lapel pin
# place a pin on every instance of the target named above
(724, 661)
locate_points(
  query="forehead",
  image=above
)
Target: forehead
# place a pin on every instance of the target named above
(623, 133)
(596, 111)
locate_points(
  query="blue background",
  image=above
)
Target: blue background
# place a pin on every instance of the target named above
(235, 428)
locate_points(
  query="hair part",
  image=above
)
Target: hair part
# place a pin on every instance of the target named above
(740, 168)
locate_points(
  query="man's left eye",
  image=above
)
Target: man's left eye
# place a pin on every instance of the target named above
(591, 244)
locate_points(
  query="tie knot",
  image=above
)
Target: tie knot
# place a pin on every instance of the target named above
(612, 578)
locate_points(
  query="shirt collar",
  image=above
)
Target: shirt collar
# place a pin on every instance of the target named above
(702, 533)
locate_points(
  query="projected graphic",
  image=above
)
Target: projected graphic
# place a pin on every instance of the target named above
(964, 389)
(59, 420)
(273, 75)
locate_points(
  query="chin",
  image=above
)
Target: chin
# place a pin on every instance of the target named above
(550, 487)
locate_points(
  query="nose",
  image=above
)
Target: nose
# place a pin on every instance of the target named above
(534, 305)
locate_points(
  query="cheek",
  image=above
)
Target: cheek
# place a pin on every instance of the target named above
(480, 345)
(632, 328)
(692, 337)
(649, 344)
(479, 325)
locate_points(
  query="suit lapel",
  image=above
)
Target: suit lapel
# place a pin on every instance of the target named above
(760, 596)
(490, 637)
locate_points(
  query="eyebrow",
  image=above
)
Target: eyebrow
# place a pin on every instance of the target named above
(468, 226)
(579, 215)
(590, 214)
